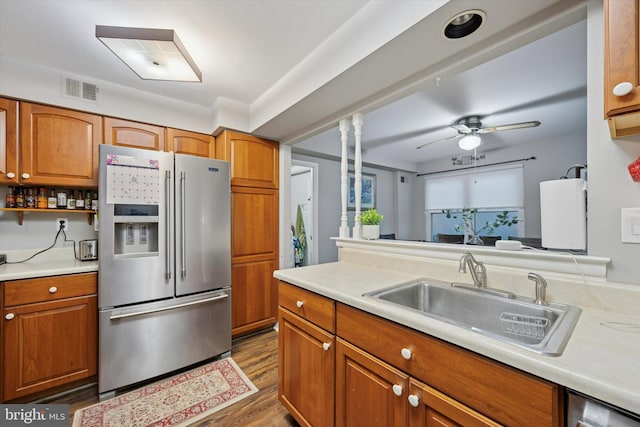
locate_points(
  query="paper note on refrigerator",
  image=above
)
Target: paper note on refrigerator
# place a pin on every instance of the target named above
(132, 181)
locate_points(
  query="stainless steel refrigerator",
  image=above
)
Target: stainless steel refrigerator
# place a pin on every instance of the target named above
(164, 290)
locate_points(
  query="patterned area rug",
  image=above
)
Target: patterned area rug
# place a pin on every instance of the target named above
(176, 401)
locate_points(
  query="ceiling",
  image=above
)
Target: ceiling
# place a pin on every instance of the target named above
(290, 69)
(545, 80)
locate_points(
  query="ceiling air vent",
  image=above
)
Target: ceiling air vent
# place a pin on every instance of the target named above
(79, 89)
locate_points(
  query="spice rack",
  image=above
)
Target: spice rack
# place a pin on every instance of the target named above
(21, 211)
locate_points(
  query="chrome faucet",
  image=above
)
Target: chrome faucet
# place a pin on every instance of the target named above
(477, 269)
(541, 288)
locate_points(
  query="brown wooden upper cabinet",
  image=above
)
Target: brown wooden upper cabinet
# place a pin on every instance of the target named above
(254, 161)
(127, 133)
(621, 67)
(58, 146)
(9, 173)
(185, 142)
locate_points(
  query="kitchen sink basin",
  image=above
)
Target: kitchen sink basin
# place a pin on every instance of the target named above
(516, 320)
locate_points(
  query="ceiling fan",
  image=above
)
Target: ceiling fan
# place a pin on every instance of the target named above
(469, 128)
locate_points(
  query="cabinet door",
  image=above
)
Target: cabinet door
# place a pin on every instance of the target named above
(59, 147)
(254, 222)
(368, 391)
(49, 344)
(8, 141)
(185, 142)
(430, 408)
(306, 360)
(254, 302)
(621, 55)
(254, 161)
(125, 133)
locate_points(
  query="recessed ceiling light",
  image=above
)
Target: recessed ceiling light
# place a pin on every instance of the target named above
(464, 24)
(153, 54)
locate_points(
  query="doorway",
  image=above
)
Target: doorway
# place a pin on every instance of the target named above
(304, 212)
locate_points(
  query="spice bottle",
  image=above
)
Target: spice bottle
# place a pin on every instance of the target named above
(71, 200)
(30, 200)
(10, 199)
(87, 200)
(94, 201)
(41, 200)
(62, 200)
(20, 198)
(80, 200)
(52, 200)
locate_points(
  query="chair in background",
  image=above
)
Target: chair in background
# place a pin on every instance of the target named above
(490, 240)
(391, 236)
(450, 238)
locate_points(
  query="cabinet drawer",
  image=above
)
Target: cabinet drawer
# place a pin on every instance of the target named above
(313, 307)
(505, 394)
(27, 291)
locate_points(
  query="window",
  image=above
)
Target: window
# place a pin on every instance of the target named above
(484, 195)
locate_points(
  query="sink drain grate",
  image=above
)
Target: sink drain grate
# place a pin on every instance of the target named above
(524, 326)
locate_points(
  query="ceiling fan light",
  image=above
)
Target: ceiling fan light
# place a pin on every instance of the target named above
(469, 142)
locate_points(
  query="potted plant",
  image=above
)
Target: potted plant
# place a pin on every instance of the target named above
(370, 220)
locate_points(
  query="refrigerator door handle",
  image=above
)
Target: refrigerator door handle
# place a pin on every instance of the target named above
(183, 230)
(171, 307)
(167, 224)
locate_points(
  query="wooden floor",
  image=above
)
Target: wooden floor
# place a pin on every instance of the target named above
(257, 356)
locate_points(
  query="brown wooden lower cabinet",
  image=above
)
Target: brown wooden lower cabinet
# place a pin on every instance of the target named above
(389, 375)
(50, 337)
(306, 360)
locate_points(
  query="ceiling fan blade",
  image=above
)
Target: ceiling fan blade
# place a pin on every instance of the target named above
(509, 127)
(462, 128)
(438, 140)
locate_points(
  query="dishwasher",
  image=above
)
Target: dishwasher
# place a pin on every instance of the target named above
(584, 411)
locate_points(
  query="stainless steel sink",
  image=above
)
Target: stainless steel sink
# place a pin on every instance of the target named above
(544, 329)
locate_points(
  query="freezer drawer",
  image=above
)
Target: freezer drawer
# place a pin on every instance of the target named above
(146, 340)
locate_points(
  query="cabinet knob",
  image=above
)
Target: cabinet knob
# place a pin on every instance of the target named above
(326, 346)
(414, 400)
(299, 304)
(9, 316)
(397, 389)
(26, 176)
(622, 89)
(11, 175)
(406, 353)
(53, 290)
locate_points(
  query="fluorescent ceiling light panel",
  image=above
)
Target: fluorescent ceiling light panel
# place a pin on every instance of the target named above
(153, 54)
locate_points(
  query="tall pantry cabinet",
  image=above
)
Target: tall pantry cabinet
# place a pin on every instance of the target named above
(254, 228)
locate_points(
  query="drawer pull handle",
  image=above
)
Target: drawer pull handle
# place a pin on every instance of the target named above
(26, 176)
(11, 175)
(414, 400)
(299, 304)
(53, 290)
(622, 89)
(326, 346)
(9, 316)
(406, 353)
(397, 389)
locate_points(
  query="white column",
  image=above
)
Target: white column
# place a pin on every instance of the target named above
(357, 129)
(344, 179)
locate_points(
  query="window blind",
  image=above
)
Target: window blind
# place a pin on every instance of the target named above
(499, 187)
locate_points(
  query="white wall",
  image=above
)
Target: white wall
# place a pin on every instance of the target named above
(610, 186)
(329, 205)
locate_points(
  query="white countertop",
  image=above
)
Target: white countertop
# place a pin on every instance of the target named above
(53, 262)
(599, 361)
